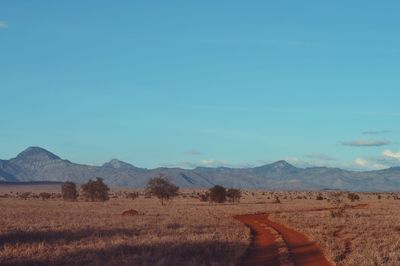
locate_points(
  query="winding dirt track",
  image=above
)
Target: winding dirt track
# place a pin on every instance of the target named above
(264, 247)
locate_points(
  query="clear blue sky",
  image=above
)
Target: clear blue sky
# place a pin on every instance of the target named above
(188, 83)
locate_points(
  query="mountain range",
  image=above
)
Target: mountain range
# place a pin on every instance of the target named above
(38, 164)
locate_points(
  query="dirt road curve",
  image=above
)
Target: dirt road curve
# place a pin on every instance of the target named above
(264, 247)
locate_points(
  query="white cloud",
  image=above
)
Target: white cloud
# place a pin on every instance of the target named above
(391, 154)
(3, 24)
(368, 164)
(213, 163)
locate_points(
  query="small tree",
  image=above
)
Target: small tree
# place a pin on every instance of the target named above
(217, 194)
(69, 192)
(95, 190)
(162, 188)
(234, 195)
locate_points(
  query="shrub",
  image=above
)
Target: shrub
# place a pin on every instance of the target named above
(69, 192)
(217, 194)
(276, 200)
(132, 195)
(162, 188)
(25, 195)
(353, 197)
(95, 190)
(319, 197)
(45, 195)
(205, 196)
(234, 195)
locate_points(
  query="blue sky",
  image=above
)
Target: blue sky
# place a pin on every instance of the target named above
(187, 83)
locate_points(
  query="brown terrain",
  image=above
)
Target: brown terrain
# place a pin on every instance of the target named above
(299, 230)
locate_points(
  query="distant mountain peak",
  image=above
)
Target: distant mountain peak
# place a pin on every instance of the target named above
(117, 164)
(281, 164)
(37, 154)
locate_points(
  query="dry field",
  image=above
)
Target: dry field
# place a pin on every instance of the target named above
(186, 231)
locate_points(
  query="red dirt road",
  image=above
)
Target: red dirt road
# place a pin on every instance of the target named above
(264, 247)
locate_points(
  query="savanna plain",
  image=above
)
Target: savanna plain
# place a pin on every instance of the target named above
(189, 231)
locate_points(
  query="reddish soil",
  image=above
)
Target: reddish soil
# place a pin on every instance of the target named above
(130, 212)
(264, 248)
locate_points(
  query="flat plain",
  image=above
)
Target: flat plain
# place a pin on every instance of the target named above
(188, 231)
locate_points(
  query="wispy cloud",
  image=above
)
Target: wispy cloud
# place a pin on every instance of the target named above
(366, 143)
(376, 132)
(319, 156)
(3, 24)
(193, 152)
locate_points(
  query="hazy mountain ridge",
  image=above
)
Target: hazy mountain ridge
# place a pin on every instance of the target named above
(37, 164)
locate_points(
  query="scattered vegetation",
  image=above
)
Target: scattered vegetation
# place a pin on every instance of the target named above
(86, 234)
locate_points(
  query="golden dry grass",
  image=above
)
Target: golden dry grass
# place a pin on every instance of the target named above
(186, 231)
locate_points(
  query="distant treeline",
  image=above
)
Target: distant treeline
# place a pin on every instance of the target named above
(31, 183)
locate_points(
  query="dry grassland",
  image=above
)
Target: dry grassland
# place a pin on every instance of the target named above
(186, 231)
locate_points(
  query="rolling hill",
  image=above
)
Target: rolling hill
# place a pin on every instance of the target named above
(37, 164)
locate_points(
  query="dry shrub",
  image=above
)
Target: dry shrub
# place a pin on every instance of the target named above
(45, 195)
(233, 195)
(276, 200)
(132, 195)
(353, 196)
